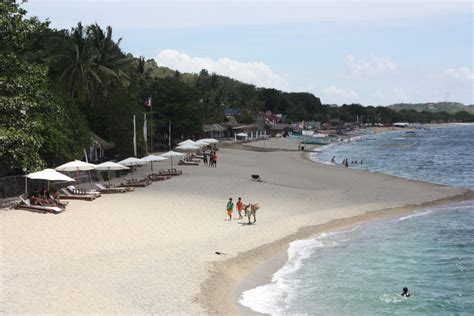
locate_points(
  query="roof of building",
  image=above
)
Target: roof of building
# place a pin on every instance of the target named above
(99, 141)
(281, 126)
(213, 127)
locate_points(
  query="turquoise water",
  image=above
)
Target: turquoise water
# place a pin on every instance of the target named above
(362, 271)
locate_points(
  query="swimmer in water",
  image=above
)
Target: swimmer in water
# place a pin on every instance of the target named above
(405, 292)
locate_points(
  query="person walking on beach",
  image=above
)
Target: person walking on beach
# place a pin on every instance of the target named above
(215, 160)
(239, 205)
(230, 208)
(347, 163)
(204, 158)
(333, 160)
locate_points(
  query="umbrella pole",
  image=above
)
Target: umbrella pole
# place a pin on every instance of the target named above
(26, 185)
(152, 167)
(110, 184)
(48, 184)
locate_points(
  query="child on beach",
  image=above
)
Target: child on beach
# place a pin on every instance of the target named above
(239, 206)
(230, 208)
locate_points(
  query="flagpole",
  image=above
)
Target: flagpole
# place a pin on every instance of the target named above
(151, 127)
(134, 138)
(169, 135)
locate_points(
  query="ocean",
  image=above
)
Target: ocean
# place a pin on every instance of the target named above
(362, 271)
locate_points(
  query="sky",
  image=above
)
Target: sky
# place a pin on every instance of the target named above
(368, 52)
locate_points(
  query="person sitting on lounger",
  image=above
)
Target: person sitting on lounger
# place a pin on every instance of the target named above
(36, 199)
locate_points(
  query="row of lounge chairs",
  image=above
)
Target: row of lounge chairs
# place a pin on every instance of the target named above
(72, 193)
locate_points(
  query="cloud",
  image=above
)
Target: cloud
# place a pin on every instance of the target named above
(369, 67)
(462, 73)
(335, 91)
(256, 73)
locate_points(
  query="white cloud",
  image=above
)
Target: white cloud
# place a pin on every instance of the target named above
(335, 91)
(462, 73)
(256, 73)
(369, 67)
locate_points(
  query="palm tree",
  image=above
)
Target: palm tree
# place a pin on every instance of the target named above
(79, 58)
(94, 62)
(110, 64)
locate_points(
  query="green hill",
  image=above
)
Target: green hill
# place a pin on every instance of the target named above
(449, 107)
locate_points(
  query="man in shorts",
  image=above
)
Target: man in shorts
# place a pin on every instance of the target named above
(230, 208)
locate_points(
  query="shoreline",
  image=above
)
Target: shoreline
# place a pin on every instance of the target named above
(267, 259)
(222, 296)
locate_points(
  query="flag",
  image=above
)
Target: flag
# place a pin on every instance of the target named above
(148, 102)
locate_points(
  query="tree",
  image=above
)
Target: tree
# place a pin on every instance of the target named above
(33, 124)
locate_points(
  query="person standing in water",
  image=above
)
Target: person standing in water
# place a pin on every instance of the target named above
(230, 208)
(405, 292)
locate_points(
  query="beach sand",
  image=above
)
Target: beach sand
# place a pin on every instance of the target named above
(153, 250)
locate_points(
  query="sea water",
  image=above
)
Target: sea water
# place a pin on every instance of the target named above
(362, 271)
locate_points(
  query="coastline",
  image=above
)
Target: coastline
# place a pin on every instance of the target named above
(233, 274)
(120, 250)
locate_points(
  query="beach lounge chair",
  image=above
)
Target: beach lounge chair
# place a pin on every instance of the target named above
(105, 190)
(73, 190)
(135, 183)
(156, 177)
(26, 205)
(170, 172)
(65, 194)
(188, 163)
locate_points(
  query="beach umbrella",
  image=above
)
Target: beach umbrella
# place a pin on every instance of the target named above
(202, 143)
(76, 165)
(170, 154)
(210, 140)
(50, 175)
(131, 162)
(109, 165)
(151, 159)
(187, 142)
(187, 148)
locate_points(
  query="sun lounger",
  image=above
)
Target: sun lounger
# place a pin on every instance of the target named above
(135, 183)
(170, 172)
(157, 177)
(26, 205)
(73, 190)
(105, 190)
(65, 194)
(188, 163)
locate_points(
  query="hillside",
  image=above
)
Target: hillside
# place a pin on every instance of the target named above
(450, 107)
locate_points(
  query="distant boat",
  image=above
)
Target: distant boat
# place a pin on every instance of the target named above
(410, 132)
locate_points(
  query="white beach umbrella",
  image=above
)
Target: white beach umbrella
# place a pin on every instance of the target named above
(110, 165)
(76, 165)
(151, 159)
(187, 142)
(210, 140)
(242, 135)
(132, 162)
(170, 154)
(202, 143)
(50, 175)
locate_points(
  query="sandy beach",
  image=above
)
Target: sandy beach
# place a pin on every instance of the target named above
(153, 250)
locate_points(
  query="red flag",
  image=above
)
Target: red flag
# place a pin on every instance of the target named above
(148, 102)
